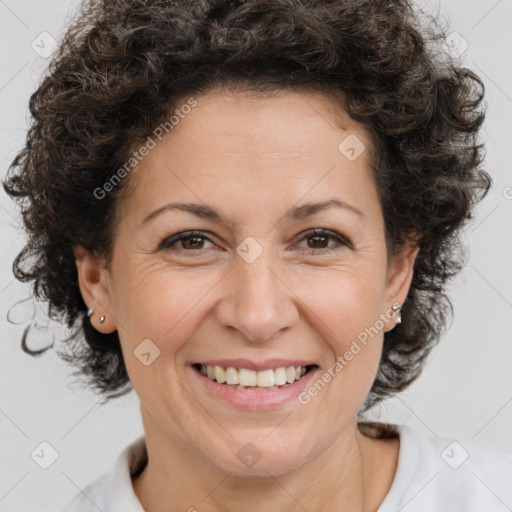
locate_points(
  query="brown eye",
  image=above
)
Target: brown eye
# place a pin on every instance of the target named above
(318, 240)
(190, 241)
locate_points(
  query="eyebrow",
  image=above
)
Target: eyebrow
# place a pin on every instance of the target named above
(294, 214)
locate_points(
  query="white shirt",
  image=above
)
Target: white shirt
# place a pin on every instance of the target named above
(433, 475)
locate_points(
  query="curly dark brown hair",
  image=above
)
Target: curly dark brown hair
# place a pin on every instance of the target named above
(119, 73)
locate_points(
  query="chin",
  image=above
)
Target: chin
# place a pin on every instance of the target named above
(261, 456)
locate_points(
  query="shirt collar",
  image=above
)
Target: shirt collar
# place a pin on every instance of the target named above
(130, 462)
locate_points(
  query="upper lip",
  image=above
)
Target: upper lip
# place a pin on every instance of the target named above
(255, 365)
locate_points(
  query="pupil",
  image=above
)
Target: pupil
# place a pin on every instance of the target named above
(324, 238)
(188, 240)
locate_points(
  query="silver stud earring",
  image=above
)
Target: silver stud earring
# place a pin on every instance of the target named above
(101, 319)
(90, 312)
(397, 308)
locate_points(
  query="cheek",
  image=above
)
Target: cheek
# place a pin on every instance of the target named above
(161, 305)
(345, 302)
(345, 309)
(350, 325)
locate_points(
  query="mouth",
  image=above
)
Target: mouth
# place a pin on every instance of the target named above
(246, 379)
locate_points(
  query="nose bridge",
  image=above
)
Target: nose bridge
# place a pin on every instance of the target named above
(257, 303)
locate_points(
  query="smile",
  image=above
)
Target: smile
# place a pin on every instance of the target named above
(247, 379)
(244, 378)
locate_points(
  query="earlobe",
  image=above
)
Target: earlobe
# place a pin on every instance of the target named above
(93, 281)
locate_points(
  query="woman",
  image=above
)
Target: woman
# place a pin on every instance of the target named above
(249, 213)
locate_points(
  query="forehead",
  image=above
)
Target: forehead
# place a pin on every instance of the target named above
(279, 146)
(287, 120)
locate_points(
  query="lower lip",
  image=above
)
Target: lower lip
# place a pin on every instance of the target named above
(271, 399)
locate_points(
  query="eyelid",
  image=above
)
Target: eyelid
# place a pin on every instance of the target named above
(168, 241)
(323, 232)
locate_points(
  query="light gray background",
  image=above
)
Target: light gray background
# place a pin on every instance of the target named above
(465, 391)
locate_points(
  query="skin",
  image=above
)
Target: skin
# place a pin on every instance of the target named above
(252, 159)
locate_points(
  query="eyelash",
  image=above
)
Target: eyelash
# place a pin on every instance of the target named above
(341, 241)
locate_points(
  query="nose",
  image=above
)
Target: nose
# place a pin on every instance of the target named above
(257, 301)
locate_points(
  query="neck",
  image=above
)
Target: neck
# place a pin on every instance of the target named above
(354, 474)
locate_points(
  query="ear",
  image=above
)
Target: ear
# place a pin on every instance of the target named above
(399, 277)
(94, 283)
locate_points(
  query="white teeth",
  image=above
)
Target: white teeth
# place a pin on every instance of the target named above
(242, 378)
(280, 376)
(265, 379)
(220, 375)
(247, 377)
(231, 375)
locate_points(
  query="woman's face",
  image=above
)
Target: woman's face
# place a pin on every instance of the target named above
(255, 288)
